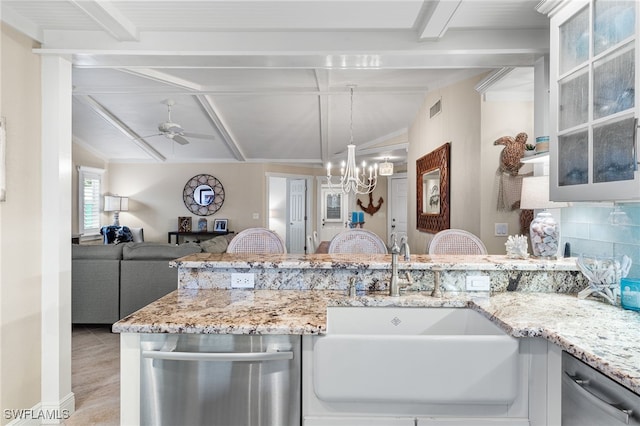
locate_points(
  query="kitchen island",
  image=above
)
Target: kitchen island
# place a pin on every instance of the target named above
(605, 337)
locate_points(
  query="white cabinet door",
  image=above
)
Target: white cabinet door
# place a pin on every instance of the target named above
(593, 149)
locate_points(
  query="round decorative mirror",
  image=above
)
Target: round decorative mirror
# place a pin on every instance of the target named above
(203, 195)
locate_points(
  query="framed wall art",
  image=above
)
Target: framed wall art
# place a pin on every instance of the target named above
(433, 190)
(220, 225)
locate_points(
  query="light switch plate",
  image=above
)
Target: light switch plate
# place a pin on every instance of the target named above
(242, 280)
(501, 229)
(478, 283)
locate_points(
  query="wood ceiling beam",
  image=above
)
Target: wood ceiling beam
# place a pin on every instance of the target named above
(214, 118)
(322, 84)
(118, 124)
(109, 18)
(246, 91)
(164, 78)
(433, 20)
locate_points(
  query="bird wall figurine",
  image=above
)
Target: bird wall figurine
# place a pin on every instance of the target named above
(512, 152)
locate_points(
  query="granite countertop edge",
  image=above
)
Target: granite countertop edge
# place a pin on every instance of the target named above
(603, 336)
(369, 261)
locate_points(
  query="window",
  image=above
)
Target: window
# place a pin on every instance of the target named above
(90, 188)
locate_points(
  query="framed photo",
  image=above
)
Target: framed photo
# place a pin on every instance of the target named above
(184, 224)
(333, 207)
(220, 225)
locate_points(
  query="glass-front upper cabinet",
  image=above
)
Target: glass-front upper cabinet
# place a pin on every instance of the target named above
(593, 149)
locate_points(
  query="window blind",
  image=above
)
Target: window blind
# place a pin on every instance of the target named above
(90, 187)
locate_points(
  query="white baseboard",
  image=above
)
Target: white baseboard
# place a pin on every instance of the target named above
(42, 414)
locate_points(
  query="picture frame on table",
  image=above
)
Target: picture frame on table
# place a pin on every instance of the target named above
(220, 225)
(184, 223)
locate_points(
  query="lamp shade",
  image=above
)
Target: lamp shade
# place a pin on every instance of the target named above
(535, 194)
(115, 203)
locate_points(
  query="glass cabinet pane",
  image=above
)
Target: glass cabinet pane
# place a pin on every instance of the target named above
(614, 82)
(613, 151)
(573, 107)
(573, 159)
(613, 22)
(574, 41)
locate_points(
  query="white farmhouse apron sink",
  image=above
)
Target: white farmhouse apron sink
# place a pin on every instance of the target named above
(414, 355)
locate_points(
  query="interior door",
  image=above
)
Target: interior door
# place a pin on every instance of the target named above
(297, 229)
(333, 212)
(397, 208)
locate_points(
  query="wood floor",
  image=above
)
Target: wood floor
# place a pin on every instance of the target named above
(95, 376)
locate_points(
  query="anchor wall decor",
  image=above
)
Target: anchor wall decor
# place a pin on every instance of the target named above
(371, 209)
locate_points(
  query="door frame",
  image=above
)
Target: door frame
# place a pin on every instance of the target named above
(310, 219)
(402, 175)
(348, 205)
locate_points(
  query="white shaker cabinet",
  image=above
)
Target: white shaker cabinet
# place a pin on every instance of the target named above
(593, 101)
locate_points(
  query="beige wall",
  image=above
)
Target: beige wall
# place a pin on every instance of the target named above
(378, 222)
(458, 123)
(500, 118)
(155, 192)
(20, 226)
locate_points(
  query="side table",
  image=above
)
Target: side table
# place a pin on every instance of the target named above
(179, 234)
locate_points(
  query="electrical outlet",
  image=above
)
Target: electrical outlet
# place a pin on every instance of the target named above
(242, 280)
(478, 283)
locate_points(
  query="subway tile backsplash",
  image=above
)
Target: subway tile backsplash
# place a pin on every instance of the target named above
(604, 231)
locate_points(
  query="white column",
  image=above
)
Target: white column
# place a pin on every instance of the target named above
(56, 235)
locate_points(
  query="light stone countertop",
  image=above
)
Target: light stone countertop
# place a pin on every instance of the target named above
(371, 261)
(603, 336)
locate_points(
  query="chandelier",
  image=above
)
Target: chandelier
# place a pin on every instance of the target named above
(352, 178)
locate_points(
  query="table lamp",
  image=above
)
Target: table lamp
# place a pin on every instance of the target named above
(544, 230)
(116, 204)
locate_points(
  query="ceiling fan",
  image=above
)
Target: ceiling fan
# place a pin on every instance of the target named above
(174, 131)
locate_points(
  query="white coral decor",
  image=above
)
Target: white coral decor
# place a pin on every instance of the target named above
(517, 247)
(604, 274)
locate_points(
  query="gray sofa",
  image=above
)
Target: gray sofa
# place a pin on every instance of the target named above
(109, 282)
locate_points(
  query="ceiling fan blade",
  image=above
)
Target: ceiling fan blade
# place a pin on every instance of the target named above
(198, 135)
(149, 136)
(181, 140)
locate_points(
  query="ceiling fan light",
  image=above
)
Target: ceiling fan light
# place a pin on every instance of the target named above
(385, 169)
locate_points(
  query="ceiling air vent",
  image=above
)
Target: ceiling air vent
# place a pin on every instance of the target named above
(435, 109)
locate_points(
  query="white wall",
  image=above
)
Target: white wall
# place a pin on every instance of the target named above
(20, 226)
(458, 123)
(500, 118)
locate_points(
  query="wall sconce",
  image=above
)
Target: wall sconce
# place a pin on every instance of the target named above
(116, 204)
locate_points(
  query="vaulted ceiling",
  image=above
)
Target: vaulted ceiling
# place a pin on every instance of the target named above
(269, 81)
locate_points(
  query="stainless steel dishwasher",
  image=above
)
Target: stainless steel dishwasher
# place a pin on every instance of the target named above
(589, 398)
(220, 380)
